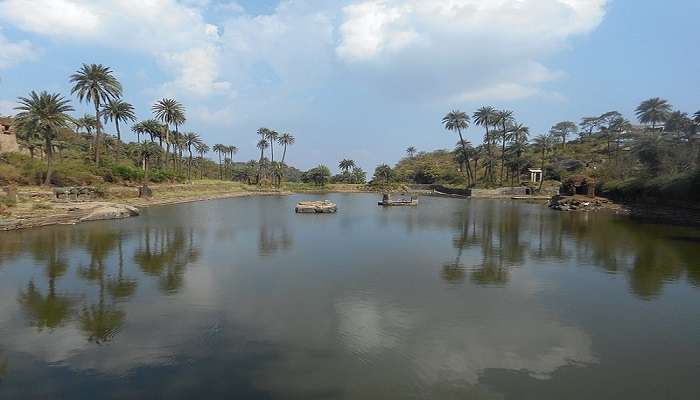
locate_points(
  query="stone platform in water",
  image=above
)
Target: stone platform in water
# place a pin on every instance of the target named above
(316, 207)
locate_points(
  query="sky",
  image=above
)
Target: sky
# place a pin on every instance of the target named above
(358, 79)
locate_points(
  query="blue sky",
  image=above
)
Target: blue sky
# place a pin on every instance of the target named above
(360, 79)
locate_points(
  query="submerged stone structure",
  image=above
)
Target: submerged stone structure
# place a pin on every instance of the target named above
(316, 207)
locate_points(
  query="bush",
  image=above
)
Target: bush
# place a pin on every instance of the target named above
(127, 173)
(73, 173)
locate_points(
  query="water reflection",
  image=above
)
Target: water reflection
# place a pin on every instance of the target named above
(358, 311)
(165, 253)
(501, 237)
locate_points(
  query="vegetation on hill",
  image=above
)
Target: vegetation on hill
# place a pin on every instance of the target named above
(658, 159)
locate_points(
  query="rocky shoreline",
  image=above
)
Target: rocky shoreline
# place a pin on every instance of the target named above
(61, 213)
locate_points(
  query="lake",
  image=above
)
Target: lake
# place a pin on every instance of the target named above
(455, 299)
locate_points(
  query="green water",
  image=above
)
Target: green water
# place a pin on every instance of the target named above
(454, 299)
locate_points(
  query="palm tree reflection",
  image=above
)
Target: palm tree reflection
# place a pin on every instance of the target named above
(165, 253)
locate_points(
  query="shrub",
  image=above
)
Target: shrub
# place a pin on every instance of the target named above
(127, 173)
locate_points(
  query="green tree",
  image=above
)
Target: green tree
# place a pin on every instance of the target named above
(149, 151)
(191, 139)
(202, 149)
(96, 84)
(170, 112)
(118, 110)
(411, 151)
(456, 121)
(262, 145)
(653, 111)
(383, 172)
(346, 165)
(286, 139)
(563, 130)
(42, 115)
(487, 118)
(319, 175)
(505, 119)
(220, 149)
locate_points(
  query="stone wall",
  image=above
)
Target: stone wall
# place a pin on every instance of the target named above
(74, 194)
(8, 143)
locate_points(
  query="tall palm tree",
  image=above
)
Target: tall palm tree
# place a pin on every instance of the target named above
(88, 122)
(191, 139)
(520, 134)
(272, 136)
(262, 145)
(346, 165)
(44, 114)
(149, 151)
(118, 110)
(220, 149)
(505, 119)
(456, 121)
(231, 151)
(286, 139)
(96, 83)
(653, 111)
(411, 151)
(202, 149)
(138, 129)
(170, 112)
(486, 117)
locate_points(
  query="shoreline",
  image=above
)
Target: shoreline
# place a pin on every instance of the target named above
(37, 212)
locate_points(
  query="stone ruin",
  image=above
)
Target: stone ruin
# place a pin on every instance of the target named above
(75, 194)
(8, 138)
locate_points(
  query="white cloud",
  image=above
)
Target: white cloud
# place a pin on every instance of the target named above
(176, 34)
(473, 49)
(12, 53)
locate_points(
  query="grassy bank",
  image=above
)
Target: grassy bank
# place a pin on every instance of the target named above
(679, 189)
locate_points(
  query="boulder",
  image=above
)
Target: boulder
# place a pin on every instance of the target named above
(111, 211)
(316, 207)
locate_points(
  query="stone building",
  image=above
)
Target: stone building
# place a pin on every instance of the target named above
(8, 138)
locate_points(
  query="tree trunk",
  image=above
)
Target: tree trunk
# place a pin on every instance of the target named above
(464, 147)
(544, 155)
(119, 134)
(189, 164)
(97, 129)
(221, 171)
(49, 162)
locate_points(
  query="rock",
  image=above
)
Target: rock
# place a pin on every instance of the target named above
(145, 191)
(111, 211)
(316, 207)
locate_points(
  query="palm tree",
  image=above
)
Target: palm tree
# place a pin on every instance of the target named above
(653, 111)
(272, 136)
(190, 139)
(202, 149)
(149, 150)
(262, 145)
(287, 140)
(118, 110)
(486, 117)
(170, 112)
(220, 148)
(346, 165)
(456, 121)
(411, 151)
(96, 83)
(44, 114)
(88, 122)
(139, 130)
(231, 151)
(519, 134)
(505, 120)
